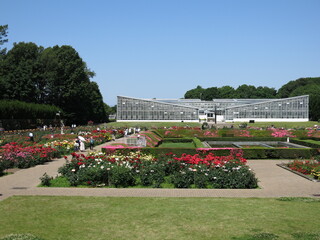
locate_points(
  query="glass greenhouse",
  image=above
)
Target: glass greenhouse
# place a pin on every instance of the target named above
(294, 109)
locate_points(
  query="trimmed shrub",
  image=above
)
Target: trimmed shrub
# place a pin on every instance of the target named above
(242, 139)
(13, 114)
(279, 153)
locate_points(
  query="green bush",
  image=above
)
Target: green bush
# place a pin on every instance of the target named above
(230, 176)
(233, 176)
(182, 179)
(279, 153)
(242, 139)
(205, 126)
(152, 174)
(13, 114)
(46, 180)
(121, 176)
(177, 140)
(307, 142)
(197, 143)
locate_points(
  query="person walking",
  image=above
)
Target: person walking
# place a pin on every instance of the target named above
(82, 146)
(76, 144)
(91, 143)
(31, 137)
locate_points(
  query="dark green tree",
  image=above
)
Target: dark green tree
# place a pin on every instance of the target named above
(265, 92)
(210, 93)
(68, 85)
(246, 91)
(227, 92)
(195, 93)
(304, 86)
(3, 38)
(56, 76)
(19, 72)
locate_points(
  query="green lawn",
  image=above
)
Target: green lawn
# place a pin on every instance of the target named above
(177, 145)
(182, 124)
(160, 218)
(150, 124)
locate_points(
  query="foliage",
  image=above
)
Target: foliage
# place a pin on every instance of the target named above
(3, 39)
(315, 172)
(279, 153)
(304, 86)
(14, 110)
(45, 180)
(56, 76)
(301, 86)
(243, 91)
(16, 155)
(205, 126)
(204, 170)
(307, 167)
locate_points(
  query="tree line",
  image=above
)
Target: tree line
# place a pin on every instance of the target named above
(243, 91)
(301, 86)
(55, 76)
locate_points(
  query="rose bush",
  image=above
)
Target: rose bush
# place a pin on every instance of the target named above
(16, 155)
(203, 170)
(307, 167)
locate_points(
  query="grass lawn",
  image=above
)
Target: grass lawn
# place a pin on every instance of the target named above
(177, 145)
(151, 124)
(160, 218)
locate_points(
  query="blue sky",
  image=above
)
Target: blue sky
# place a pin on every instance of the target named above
(162, 48)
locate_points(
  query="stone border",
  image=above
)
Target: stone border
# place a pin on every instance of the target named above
(282, 165)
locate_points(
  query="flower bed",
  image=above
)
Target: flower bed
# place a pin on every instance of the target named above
(306, 167)
(15, 155)
(245, 133)
(133, 168)
(24, 153)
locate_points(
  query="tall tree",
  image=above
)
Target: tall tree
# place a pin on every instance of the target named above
(195, 93)
(304, 86)
(19, 72)
(246, 91)
(56, 76)
(3, 38)
(227, 92)
(210, 93)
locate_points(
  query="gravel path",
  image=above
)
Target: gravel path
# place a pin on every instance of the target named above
(273, 181)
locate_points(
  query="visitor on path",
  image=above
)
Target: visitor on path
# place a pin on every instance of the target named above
(76, 144)
(91, 143)
(31, 137)
(82, 146)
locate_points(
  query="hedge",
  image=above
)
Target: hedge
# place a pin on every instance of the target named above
(243, 139)
(249, 153)
(177, 140)
(309, 143)
(279, 153)
(180, 151)
(21, 115)
(196, 142)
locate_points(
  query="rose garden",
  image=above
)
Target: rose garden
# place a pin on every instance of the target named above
(174, 157)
